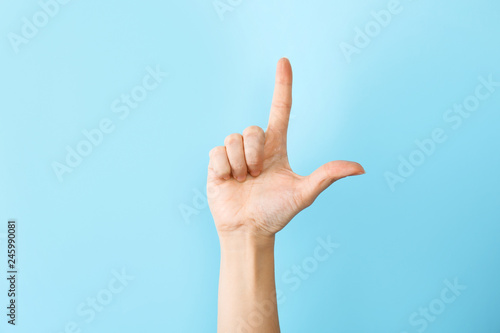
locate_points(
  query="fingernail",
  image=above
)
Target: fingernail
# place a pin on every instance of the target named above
(255, 173)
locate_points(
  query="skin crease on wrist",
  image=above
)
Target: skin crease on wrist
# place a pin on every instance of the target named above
(253, 193)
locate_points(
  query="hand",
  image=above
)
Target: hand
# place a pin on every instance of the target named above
(251, 187)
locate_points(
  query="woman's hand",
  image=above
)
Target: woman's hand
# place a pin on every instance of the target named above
(251, 187)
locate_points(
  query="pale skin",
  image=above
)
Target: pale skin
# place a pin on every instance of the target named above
(253, 193)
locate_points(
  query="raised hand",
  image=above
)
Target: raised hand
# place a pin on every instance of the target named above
(251, 187)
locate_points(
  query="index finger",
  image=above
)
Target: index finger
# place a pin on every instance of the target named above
(282, 99)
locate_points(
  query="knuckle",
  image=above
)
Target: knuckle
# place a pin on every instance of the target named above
(304, 200)
(282, 104)
(331, 170)
(253, 165)
(214, 151)
(308, 202)
(238, 167)
(232, 139)
(252, 158)
(223, 171)
(253, 131)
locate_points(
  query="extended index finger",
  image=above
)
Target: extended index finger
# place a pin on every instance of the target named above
(282, 99)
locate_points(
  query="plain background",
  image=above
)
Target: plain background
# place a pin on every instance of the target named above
(121, 207)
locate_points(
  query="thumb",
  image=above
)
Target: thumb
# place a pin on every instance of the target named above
(326, 175)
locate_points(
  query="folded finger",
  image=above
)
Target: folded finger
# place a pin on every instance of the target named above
(236, 156)
(219, 163)
(253, 142)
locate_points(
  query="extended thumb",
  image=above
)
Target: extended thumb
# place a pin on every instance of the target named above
(326, 175)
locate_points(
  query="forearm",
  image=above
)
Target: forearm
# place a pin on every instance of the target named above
(247, 291)
(251, 187)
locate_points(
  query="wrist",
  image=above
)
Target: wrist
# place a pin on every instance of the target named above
(247, 282)
(244, 240)
(249, 259)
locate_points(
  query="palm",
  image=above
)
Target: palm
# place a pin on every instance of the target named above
(268, 201)
(264, 194)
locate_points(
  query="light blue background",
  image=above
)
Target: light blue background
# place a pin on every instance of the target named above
(121, 207)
